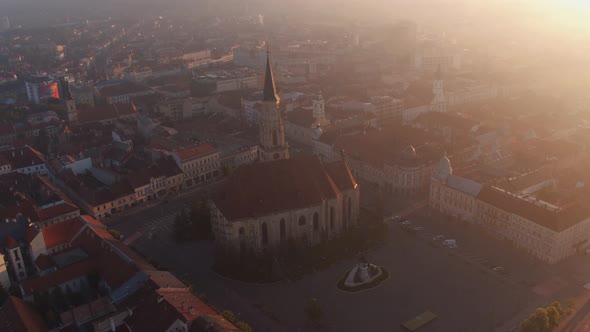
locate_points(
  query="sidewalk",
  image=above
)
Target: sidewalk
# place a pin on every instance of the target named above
(171, 198)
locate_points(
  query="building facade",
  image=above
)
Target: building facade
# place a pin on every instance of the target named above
(545, 231)
(293, 202)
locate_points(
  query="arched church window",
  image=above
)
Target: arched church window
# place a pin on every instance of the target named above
(349, 206)
(331, 217)
(283, 230)
(316, 221)
(301, 220)
(264, 233)
(275, 139)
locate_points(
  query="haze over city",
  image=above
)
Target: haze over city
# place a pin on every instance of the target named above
(274, 165)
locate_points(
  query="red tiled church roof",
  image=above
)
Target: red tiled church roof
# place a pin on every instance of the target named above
(266, 188)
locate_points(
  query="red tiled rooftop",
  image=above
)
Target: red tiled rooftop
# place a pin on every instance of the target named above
(195, 151)
(554, 220)
(17, 315)
(157, 310)
(23, 157)
(44, 262)
(122, 89)
(104, 112)
(283, 185)
(65, 274)
(61, 233)
(165, 279)
(10, 243)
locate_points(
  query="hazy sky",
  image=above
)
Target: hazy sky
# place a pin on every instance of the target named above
(551, 15)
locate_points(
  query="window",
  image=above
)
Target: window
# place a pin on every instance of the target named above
(283, 230)
(301, 220)
(316, 221)
(264, 233)
(242, 231)
(331, 217)
(274, 138)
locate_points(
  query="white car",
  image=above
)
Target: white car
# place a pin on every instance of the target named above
(450, 242)
(438, 237)
(394, 218)
(407, 222)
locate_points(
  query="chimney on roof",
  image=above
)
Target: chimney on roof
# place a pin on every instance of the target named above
(191, 310)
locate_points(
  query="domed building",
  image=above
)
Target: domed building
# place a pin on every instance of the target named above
(443, 169)
(409, 153)
(453, 195)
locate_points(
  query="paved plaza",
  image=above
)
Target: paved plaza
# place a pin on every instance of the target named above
(422, 277)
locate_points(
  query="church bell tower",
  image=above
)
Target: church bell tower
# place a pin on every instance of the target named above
(271, 128)
(439, 102)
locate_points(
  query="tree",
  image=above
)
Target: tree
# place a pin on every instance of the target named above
(540, 319)
(528, 326)
(229, 315)
(243, 326)
(558, 307)
(554, 316)
(200, 219)
(181, 226)
(314, 311)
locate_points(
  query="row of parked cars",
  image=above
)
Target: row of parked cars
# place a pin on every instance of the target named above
(442, 240)
(438, 240)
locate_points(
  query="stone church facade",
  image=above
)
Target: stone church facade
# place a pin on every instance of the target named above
(281, 202)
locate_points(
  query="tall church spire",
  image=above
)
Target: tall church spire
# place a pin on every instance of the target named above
(271, 127)
(270, 90)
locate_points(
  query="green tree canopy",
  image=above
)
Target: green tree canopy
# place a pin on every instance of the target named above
(314, 311)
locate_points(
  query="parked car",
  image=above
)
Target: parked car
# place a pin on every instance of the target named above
(406, 222)
(418, 228)
(438, 237)
(497, 268)
(450, 242)
(394, 218)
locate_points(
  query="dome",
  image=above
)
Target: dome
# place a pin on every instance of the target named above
(409, 152)
(443, 170)
(317, 132)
